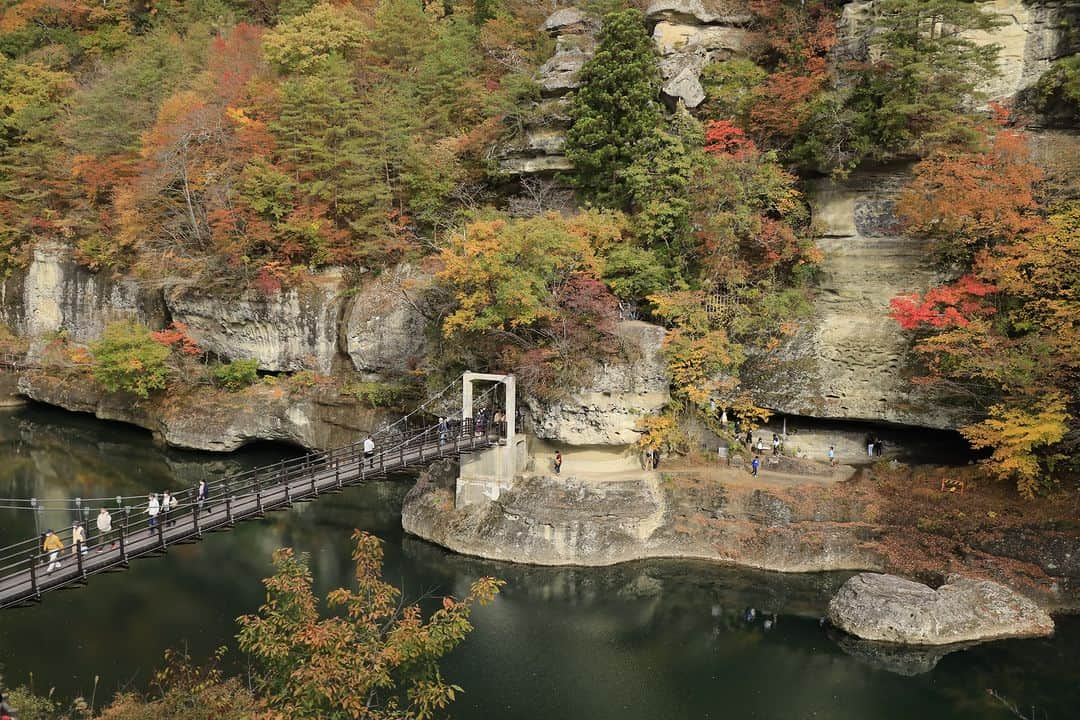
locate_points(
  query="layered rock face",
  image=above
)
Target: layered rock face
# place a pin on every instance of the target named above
(605, 410)
(56, 294)
(539, 146)
(290, 330)
(690, 34)
(891, 609)
(851, 361)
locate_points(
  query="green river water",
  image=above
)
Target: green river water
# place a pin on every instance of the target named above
(655, 639)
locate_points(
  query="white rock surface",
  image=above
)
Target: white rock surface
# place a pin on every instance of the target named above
(605, 410)
(887, 608)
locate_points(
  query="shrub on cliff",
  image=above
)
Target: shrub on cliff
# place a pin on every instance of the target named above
(128, 358)
(235, 375)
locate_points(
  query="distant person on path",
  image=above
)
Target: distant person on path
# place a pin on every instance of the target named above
(78, 538)
(760, 445)
(723, 418)
(655, 458)
(754, 465)
(558, 462)
(444, 430)
(775, 444)
(104, 528)
(749, 438)
(369, 450)
(879, 447)
(202, 495)
(870, 446)
(153, 507)
(832, 456)
(54, 546)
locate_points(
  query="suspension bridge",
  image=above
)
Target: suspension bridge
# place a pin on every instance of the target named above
(434, 430)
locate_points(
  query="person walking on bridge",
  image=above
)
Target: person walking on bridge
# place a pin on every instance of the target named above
(369, 450)
(104, 528)
(78, 538)
(54, 546)
(168, 504)
(153, 507)
(202, 495)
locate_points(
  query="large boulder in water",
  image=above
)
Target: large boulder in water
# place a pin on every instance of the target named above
(892, 609)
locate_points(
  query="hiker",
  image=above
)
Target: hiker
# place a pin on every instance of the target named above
(749, 437)
(78, 538)
(879, 446)
(52, 545)
(202, 495)
(775, 444)
(655, 458)
(153, 507)
(723, 418)
(558, 462)
(104, 528)
(832, 456)
(760, 445)
(168, 504)
(444, 430)
(869, 445)
(369, 450)
(754, 465)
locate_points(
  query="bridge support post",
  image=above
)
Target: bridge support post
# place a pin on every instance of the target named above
(161, 536)
(77, 549)
(258, 495)
(491, 468)
(123, 538)
(228, 505)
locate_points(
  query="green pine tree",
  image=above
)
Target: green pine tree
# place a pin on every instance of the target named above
(615, 111)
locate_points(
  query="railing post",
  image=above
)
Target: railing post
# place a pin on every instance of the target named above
(77, 547)
(401, 449)
(337, 470)
(311, 473)
(123, 537)
(33, 575)
(161, 535)
(288, 494)
(228, 504)
(195, 521)
(258, 493)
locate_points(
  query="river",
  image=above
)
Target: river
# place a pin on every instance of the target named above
(655, 639)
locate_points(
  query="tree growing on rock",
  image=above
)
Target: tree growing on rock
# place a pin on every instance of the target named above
(616, 109)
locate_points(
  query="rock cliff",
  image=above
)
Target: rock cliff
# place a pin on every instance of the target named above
(606, 408)
(849, 361)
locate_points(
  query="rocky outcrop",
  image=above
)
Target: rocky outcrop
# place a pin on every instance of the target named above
(1032, 36)
(313, 418)
(606, 408)
(891, 609)
(582, 520)
(56, 294)
(386, 322)
(850, 361)
(537, 147)
(690, 34)
(293, 329)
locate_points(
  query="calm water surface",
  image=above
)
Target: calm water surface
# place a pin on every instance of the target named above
(643, 640)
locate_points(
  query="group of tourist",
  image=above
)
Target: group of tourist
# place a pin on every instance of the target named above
(157, 509)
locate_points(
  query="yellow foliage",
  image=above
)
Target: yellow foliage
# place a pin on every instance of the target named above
(660, 432)
(1014, 434)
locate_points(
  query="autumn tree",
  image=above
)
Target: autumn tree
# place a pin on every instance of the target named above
(374, 658)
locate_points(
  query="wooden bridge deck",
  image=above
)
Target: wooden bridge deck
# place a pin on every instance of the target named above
(23, 577)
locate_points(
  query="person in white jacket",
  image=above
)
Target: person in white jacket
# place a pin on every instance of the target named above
(104, 528)
(153, 507)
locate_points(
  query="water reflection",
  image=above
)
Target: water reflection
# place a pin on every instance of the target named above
(641, 640)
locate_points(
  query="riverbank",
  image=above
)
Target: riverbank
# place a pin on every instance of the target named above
(882, 518)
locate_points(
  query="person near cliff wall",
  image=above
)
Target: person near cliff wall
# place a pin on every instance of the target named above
(754, 465)
(104, 528)
(558, 462)
(54, 546)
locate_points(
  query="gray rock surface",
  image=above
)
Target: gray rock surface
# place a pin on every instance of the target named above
(892, 609)
(702, 12)
(606, 408)
(309, 418)
(685, 49)
(385, 326)
(293, 329)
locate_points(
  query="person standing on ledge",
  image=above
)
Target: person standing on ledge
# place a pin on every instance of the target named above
(832, 456)
(558, 462)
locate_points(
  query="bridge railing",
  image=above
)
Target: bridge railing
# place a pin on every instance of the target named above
(133, 526)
